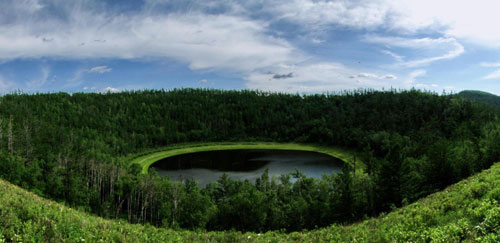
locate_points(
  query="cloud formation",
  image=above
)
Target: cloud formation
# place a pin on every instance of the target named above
(493, 75)
(44, 77)
(366, 75)
(110, 90)
(490, 64)
(100, 69)
(475, 21)
(283, 76)
(450, 45)
(410, 81)
(397, 57)
(390, 76)
(356, 14)
(202, 41)
(314, 77)
(246, 39)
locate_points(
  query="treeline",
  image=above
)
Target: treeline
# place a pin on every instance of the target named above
(413, 143)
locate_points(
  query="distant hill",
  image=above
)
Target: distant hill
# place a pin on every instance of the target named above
(481, 96)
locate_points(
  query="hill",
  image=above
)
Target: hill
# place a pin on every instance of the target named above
(481, 96)
(467, 211)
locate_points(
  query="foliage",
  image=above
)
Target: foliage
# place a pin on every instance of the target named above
(68, 148)
(467, 211)
(480, 96)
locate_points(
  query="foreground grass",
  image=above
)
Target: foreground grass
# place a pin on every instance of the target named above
(146, 159)
(467, 211)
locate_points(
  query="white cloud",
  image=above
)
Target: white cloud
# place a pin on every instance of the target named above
(450, 45)
(397, 57)
(15, 9)
(202, 41)
(317, 41)
(390, 76)
(472, 20)
(490, 64)
(313, 77)
(203, 81)
(435, 87)
(475, 21)
(110, 89)
(410, 81)
(313, 14)
(367, 75)
(493, 75)
(100, 69)
(373, 76)
(234, 41)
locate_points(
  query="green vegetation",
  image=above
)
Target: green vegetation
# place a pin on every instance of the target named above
(76, 149)
(467, 211)
(146, 160)
(481, 96)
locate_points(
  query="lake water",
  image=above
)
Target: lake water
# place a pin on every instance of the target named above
(245, 164)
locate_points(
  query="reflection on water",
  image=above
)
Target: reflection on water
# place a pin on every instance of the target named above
(245, 164)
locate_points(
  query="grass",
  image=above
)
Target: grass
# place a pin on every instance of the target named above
(146, 159)
(467, 211)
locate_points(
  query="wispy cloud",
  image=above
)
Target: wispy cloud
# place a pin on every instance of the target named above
(475, 21)
(372, 75)
(203, 41)
(490, 64)
(397, 57)
(450, 45)
(314, 14)
(100, 69)
(390, 76)
(366, 75)
(493, 75)
(89, 88)
(110, 90)
(314, 77)
(410, 81)
(242, 39)
(44, 77)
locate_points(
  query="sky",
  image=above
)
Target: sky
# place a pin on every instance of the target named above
(293, 46)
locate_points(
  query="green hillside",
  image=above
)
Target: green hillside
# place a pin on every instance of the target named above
(467, 211)
(481, 96)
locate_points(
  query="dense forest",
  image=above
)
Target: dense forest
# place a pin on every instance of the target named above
(68, 147)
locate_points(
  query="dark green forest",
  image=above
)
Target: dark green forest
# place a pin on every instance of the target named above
(69, 147)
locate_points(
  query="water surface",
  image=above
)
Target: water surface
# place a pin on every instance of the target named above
(245, 164)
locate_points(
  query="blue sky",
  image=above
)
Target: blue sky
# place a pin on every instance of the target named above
(297, 46)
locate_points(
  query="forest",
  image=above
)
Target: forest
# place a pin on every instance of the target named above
(70, 148)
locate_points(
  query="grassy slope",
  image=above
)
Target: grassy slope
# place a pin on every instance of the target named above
(468, 210)
(148, 158)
